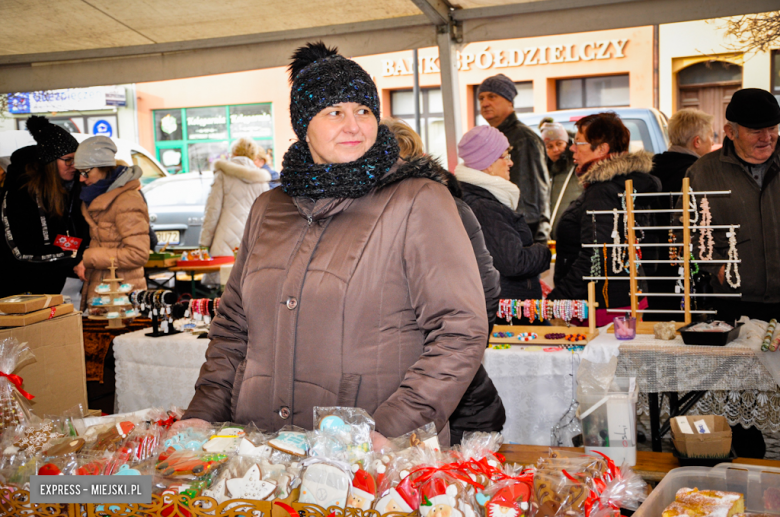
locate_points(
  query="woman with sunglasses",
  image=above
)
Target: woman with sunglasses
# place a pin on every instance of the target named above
(38, 207)
(484, 179)
(117, 216)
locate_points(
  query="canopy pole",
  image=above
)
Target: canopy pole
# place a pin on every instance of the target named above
(450, 93)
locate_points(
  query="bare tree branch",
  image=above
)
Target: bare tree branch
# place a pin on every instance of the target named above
(754, 32)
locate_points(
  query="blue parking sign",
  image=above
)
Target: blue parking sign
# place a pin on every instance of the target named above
(102, 127)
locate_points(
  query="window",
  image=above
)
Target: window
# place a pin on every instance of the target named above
(150, 169)
(524, 102)
(431, 117)
(191, 139)
(105, 125)
(776, 74)
(592, 92)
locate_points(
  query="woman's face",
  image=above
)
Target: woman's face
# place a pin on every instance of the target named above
(341, 133)
(554, 149)
(65, 167)
(91, 176)
(583, 153)
(501, 166)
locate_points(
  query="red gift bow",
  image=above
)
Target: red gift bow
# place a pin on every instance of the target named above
(17, 381)
(594, 496)
(456, 470)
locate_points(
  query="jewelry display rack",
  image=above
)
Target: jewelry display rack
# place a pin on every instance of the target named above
(113, 281)
(647, 327)
(541, 331)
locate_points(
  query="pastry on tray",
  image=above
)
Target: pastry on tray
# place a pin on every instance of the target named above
(693, 502)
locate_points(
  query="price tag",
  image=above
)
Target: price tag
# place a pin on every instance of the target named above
(154, 311)
(683, 424)
(677, 289)
(164, 326)
(187, 313)
(681, 271)
(701, 427)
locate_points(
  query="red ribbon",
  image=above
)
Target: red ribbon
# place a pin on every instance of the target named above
(52, 312)
(17, 381)
(456, 470)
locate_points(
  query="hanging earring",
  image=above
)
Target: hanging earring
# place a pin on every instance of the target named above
(705, 235)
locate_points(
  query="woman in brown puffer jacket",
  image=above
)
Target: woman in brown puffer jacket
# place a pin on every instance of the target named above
(117, 216)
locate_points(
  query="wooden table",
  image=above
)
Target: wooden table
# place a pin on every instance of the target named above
(652, 466)
(194, 270)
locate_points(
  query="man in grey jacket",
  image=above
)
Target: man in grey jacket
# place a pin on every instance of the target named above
(748, 164)
(529, 167)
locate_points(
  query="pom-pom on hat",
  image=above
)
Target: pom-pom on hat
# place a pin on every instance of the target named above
(53, 141)
(482, 146)
(97, 151)
(320, 77)
(753, 108)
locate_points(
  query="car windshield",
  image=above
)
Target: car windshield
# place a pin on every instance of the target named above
(182, 192)
(150, 169)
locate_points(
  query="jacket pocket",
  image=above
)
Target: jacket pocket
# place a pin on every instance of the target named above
(237, 381)
(348, 390)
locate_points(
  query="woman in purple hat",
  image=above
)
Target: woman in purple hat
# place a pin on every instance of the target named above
(484, 178)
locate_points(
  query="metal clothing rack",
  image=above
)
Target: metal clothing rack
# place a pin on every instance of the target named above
(632, 245)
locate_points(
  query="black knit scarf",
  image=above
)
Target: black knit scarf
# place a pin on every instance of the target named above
(301, 177)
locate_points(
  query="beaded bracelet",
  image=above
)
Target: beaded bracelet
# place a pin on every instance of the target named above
(770, 330)
(503, 334)
(527, 336)
(575, 337)
(554, 336)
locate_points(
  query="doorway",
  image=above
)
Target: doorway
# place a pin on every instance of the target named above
(708, 86)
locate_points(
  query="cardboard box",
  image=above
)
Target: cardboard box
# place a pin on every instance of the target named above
(20, 320)
(57, 375)
(24, 303)
(701, 436)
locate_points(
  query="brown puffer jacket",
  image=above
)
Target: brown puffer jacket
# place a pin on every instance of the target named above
(119, 228)
(374, 302)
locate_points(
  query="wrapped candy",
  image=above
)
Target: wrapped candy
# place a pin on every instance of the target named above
(14, 401)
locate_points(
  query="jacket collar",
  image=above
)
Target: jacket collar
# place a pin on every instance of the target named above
(620, 165)
(508, 122)
(244, 169)
(103, 201)
(729, 154)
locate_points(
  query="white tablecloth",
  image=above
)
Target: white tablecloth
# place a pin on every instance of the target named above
(536, 388)
(156, 372)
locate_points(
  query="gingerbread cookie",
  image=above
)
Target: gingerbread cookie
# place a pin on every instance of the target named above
(228, 440)
(291, 442)
(34, 438)
(363, 490)
(441, 499)
(65, 447)
(324, 485)
(402, 498)
(251, 486)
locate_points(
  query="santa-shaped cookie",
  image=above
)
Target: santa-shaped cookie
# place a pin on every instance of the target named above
(363, 490)
(402, 498)
(440, 499)
(510, 501)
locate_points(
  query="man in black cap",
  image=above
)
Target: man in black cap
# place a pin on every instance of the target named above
(748, 165)
(529, 167)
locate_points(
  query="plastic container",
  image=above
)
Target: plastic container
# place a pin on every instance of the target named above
(760, 486)
(609, 421)
(709, 338)
(625, 327)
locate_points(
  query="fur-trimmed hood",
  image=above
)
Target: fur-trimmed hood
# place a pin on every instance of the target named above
(620, 165)
(420, 167)
(242, 168)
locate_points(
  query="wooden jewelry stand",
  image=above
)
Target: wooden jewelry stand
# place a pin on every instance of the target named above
(646, 327)
(540, 331)
(114, 282)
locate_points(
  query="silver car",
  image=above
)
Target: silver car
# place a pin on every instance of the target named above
(176, 207)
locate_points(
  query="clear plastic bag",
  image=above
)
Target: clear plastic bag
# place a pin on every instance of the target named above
(14, 401)
(425, 437)
(341, 433)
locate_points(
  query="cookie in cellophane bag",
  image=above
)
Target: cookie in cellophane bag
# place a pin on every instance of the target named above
(510, 497)
(443, 495)
(14, 400)
(342, 433)
(424, 437)
(557, 494)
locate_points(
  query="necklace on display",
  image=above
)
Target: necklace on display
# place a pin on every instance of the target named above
(604, 290)
(673, 252)
(617, 251)
(732, 267)
(692, 206)
(595, 259)
(705, 234)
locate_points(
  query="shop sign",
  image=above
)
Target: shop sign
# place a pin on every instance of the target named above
(206, 127)
(102, 127)
(70, 99)
(514, 57)
(252, 121)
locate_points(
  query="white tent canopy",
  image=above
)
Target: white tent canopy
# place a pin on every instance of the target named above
(48, 44)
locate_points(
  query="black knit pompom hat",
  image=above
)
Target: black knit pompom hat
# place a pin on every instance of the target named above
(320, 77)
(53, 141)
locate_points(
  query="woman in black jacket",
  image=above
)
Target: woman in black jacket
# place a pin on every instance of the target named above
(40, 202)
(484, 179)
(603, 166)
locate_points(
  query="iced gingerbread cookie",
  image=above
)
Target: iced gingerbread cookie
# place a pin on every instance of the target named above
(66, 447)
(291, 442)
(247, 448)
(363, 490)
(227, 440)
(399, 499)
(36, 437)
(251, 486)
(217, 492)
(511, 501)
(324, 485)
(440, 499)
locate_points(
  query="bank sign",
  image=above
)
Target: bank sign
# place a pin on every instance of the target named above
(528, 56)
(70, 99)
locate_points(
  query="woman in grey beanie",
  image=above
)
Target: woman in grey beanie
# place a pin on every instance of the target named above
(117, 216)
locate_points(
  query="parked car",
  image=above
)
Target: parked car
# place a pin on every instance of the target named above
(176, 207)
(127, 151)
(648, 126)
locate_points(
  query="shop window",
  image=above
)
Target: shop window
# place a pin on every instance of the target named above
(431, 117)
(776, 74)
(524, 101)
(192, 139)
(592, 92)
